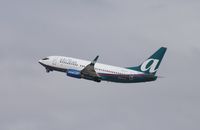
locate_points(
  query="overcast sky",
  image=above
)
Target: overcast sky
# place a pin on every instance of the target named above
(124, 33)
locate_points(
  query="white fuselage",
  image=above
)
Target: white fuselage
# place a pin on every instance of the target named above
(64, 63)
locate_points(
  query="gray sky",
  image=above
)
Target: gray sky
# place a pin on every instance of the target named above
(123, 33)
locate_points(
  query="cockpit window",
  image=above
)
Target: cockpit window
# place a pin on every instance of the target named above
(45, 59)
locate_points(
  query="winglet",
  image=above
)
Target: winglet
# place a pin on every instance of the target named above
(95, 60)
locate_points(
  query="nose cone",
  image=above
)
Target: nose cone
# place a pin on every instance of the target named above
(40, 61)
(44, 61)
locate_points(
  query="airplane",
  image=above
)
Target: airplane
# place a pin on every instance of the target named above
(91, 70)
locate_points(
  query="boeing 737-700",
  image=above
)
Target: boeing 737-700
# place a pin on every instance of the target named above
(91, 70)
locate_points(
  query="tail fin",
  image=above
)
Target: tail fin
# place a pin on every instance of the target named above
(150, 66)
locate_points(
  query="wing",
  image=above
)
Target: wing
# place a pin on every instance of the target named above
(89, 72)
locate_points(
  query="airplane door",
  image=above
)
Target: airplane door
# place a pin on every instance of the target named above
(54, 61)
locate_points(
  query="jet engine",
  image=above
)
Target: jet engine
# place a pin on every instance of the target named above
(73, 73)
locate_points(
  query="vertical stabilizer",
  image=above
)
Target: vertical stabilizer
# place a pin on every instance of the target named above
(151, 65)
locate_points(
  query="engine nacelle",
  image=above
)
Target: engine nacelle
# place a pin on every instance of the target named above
(74, 73)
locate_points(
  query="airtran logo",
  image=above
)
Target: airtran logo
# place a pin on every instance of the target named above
(150, 65)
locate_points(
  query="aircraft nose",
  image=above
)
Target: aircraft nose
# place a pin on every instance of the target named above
(40, 61)
(44, 61)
